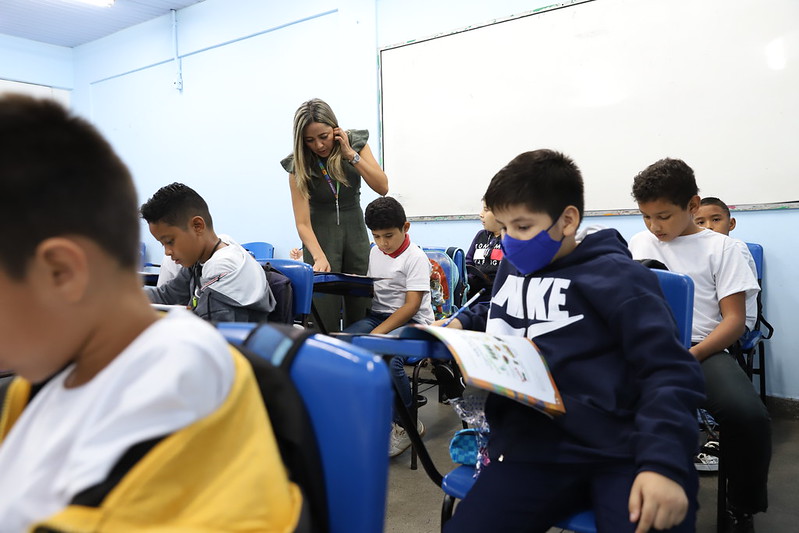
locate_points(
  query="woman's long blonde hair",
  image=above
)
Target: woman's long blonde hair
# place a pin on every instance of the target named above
(314, 110)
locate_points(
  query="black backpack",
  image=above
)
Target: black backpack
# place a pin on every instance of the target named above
(290, 421)
(284, 296)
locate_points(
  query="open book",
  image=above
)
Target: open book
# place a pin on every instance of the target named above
(508, 365)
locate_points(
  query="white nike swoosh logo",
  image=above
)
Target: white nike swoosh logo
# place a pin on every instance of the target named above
(545, 327)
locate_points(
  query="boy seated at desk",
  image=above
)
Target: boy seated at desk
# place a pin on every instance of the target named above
(401, 293)
(668, 199)
(625, 444)
(220, 281)
(118, 420)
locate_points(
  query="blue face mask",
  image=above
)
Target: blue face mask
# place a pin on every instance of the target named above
(532, 254)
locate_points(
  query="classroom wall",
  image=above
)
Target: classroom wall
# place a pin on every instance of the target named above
(247, 65)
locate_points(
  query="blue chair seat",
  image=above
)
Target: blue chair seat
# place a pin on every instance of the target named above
(750, 340)
(460, 480)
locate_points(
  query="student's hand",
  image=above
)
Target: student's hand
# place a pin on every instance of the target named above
(321, 265)
(296, 254)
(455, 324)
(346, 150)
(656, 502)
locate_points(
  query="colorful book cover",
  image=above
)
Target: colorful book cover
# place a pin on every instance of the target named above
(508, 365)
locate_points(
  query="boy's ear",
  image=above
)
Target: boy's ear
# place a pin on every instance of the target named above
(693, 204)
(406, 227)
(732, 223)
(60, 267)
(197, 224)
(571, 220)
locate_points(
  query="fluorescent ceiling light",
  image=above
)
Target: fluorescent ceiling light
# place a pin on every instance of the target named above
(101, 3)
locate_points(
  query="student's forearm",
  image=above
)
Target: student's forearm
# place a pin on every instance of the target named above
(726, 333)
(398, 318)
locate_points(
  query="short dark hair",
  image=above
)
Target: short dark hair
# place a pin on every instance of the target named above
(545, 181)
(668, 179)
(176, 204)
(712, 200)
(384, 213)
(59, 176)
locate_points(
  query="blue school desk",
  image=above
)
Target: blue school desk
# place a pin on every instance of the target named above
(342, 285)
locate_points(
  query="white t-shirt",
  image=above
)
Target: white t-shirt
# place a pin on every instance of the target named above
(408, 272)
(66, 440)
(169, 269)
(232, 271)
(712, 260)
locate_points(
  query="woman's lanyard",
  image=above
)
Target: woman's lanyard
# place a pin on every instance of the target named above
(334, 190)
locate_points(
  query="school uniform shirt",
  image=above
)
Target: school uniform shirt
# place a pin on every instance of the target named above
(410, 271)
(712, 260)
(485, 253)
(629, 387)
(176, 372)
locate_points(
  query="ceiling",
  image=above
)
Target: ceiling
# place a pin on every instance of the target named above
(71, 23)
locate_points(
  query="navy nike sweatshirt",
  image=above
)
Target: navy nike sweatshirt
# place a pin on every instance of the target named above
(629, 387)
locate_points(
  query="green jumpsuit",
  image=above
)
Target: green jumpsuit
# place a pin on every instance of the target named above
(346, 244)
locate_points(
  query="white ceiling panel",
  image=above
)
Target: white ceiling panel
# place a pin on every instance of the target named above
(71, 23)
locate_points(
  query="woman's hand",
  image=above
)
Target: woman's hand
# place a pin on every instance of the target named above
(321, 265)
(346, 150)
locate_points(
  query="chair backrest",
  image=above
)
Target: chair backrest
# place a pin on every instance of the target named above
(679, 292)
(262, 251)
(301, 276)
(347, 393)
(757, 254)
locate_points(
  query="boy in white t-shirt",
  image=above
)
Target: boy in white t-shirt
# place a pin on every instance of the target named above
(116, 420)
(714, 214)
(220, 280)
(668, 199)
(401, 292)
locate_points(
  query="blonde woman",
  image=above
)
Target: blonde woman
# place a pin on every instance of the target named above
(325, 171)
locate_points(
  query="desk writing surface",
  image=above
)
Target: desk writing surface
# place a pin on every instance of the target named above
(384, 344)
(343, 284)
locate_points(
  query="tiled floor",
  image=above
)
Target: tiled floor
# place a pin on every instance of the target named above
(414, 502)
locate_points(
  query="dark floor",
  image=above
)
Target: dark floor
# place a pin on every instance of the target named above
(414, 502)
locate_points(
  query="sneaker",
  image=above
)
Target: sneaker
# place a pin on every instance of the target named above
(740, 523)
(400, 441)
(449, 384)
(707, 460)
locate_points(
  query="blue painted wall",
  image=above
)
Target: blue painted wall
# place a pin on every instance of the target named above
(248, 64)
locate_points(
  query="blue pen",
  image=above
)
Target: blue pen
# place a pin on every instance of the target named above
(467, 304)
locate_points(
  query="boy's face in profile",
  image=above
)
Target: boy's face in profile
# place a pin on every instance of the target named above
(714, 218)
(667, 221)
(388, 240)
(37, 342)
(184, 246)
(488, 220)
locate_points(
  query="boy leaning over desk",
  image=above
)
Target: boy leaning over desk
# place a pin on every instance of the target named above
(118, 420)
(625, 445)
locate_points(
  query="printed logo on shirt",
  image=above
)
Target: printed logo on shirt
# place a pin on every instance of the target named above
(545, 300)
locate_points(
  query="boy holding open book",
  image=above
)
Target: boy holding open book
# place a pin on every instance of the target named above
(625, 445)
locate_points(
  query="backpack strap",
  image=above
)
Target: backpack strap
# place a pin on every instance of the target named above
(290, 421)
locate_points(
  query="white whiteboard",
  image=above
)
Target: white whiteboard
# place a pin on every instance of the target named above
(615, 84)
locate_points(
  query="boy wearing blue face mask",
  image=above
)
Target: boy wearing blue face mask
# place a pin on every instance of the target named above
(625, 445)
